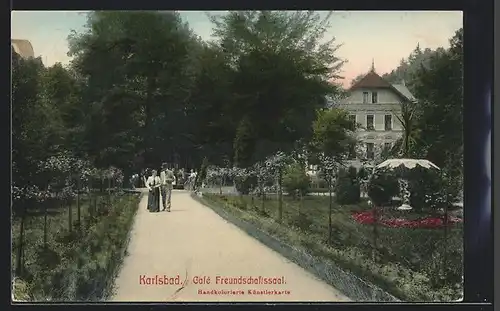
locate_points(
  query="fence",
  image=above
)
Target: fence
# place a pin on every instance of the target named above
(414, 255)
(47, 225)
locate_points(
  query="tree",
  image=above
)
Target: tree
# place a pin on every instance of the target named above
(212, 128)
(333, 133)
(282, 73)
(409, 67)
(36, 132)
(135, 65)
(332, 140)
(60, 91)
(439, 114)
(406, 146)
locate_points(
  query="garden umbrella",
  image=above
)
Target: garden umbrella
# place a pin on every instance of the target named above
(405, 165)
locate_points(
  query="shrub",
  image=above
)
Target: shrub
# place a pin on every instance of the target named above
(295, 179)
(301, 221)
(245, 184)
(69, 267)
(347, 190)
(382, 187)
(425, 184)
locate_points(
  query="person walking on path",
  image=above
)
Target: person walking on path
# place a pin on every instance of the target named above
(166, 178)
(153, 183)
(144, 177)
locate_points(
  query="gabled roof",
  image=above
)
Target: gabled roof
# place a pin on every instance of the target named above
(23, 48)
(404, 91)
(373, 81)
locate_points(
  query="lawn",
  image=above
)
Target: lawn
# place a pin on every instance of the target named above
(411, 264)
(76, 265)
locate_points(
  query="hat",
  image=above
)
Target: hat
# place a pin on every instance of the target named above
(164, 165)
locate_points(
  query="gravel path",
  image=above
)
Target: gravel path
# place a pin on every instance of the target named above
(192, 243)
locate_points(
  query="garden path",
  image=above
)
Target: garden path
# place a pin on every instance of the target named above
(193, 240)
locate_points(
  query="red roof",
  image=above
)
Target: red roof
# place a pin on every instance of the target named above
(371, 80)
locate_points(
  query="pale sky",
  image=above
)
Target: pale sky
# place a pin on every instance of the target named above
(385, 36)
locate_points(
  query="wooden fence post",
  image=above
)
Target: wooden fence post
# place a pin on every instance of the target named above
(45, 212)
(91, 214)
(78, 202)
(70, 214)
(20, 251)
(109, 190)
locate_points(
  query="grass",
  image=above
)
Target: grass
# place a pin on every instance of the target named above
(76, 265)
(407, 263)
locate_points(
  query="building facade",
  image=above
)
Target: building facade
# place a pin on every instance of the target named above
(374, 104)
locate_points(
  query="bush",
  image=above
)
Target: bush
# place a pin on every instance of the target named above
(295, 179)
(382, 187)
(79, 265)
(301, 221)
(424, 183)
(245, 184)
(347, 190)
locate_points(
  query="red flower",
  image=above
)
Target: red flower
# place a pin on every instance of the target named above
(366, 217)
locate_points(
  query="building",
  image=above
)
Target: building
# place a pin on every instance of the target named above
(23, 48)
(374, 103)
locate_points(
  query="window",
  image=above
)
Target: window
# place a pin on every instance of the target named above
(352, 118)
(369, 122)
(369, 151)
(388, 122)
(352, 151)
(365, 97)
(374, 97)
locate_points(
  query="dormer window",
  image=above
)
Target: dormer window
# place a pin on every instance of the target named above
(374, 97)
(365, 97)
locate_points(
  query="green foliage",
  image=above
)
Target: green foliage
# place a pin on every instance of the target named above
(295, 180)
(347, 190)
(439, 89)
(138, 71)
(281, 72)
(245, 184)
(414, 271)
(78, 265)
(332, 133)
(382, 187)
(409, 67)
(36, 133)
(244, 144)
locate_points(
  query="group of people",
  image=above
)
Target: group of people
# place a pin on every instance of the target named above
(160, 185)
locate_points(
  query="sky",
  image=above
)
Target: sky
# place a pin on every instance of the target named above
(382, 36)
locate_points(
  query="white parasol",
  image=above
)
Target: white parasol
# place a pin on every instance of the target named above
(409, 164)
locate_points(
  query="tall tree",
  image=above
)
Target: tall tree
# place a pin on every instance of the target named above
(332, 141)
(439, 89)
(283, 73)
(36, 132)
(60, 91)
(135, 66)
(408, 67)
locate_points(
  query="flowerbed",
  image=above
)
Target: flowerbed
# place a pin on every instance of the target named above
(367, 217)
(409, 271)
